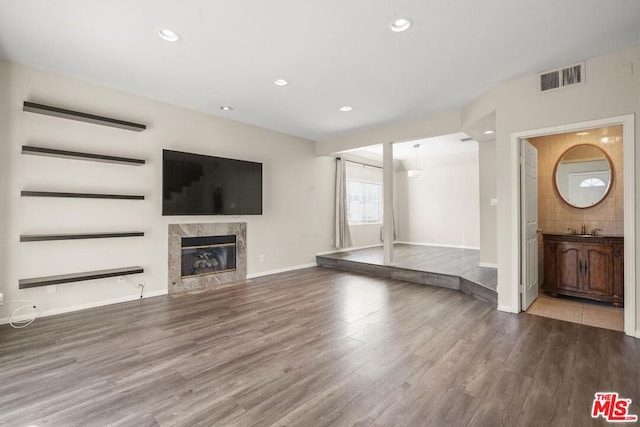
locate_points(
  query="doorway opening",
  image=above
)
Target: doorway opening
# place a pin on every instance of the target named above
(580, 225)
(435, 234)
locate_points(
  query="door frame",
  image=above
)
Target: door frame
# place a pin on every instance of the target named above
(628, 134)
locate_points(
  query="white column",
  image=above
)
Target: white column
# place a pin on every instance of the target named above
(387, 221)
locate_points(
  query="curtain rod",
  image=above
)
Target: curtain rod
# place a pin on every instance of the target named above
(360, 163)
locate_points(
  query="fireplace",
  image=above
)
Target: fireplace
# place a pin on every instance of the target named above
(205, 256)
(208, 255)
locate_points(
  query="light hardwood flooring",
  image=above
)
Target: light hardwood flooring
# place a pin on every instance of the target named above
(309, 348)
(576, 310)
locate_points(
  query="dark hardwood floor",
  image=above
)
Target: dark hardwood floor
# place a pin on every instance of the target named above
(311, 347)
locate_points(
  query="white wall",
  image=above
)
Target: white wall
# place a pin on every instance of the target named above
(488, 213)
(298, 189)
(5, 170)
(442, 207)
(612, 88)
(445, 123)
(364, 234)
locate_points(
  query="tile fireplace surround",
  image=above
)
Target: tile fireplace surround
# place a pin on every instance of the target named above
(178, 284)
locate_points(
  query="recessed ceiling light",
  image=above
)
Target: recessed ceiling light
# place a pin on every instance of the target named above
(226, 108)
(280, 82)
(168, 35)
(489, 132)
(400, 25)
(346, 108)
(582, 133)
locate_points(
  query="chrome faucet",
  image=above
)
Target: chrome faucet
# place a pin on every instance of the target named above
(583, 229)
(594, 232)
(572, 230)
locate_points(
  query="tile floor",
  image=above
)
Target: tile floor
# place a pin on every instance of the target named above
(576, 310)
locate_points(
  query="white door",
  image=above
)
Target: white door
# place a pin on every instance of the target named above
(529, 209)
(586, 188)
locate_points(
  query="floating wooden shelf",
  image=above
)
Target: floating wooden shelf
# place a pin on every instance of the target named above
(25, 193)
(50, 152)
(48, 110)
(47, 237)
(77, 277)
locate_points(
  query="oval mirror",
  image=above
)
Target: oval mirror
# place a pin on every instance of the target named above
(583, 175)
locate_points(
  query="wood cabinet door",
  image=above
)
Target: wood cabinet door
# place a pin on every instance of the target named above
(598, 274)
(568, 265)
(550, 272)
(618, 273)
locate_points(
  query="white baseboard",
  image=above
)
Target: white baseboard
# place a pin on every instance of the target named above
(487, 265)
(638, 334)
(355, 248)
(436, 245)
(62, 310)
(281, 270)
(505, 308)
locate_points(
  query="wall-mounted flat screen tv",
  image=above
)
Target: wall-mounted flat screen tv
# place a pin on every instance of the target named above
(195, 184)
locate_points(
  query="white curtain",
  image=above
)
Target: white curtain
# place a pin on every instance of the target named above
(343, 235)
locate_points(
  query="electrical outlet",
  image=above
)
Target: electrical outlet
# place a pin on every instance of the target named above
(120, 279)
(261, 258)
(1, 298)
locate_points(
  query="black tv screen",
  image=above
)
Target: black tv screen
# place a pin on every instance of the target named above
(194, 184)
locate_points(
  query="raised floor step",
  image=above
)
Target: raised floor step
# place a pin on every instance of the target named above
(458, 283)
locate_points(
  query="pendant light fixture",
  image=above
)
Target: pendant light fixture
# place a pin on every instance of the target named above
(416, 173)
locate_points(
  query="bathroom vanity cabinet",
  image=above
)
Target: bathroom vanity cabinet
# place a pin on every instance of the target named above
(584, 266)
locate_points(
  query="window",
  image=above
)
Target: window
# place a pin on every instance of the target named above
(364, 201)
(592, 182)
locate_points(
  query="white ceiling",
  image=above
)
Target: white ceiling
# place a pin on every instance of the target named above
(333, 52)
(439, 145)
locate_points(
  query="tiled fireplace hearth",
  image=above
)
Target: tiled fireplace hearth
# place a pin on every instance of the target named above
(206, 256)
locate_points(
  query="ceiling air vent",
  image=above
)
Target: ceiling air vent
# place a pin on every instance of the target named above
(563, 77)
(550, 80)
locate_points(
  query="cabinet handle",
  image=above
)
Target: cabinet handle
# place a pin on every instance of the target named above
(580, 267)
(586, 267)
